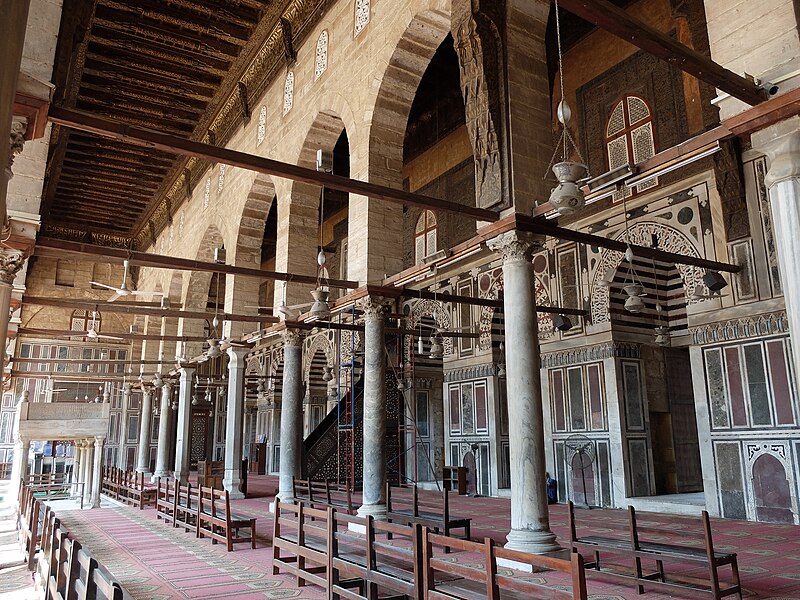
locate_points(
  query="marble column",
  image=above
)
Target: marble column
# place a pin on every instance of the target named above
(374, 495)
(11, 262)
(97, 471)
(145, 423)
(123, 426)
(291, 413)
(530, 521)
(436, 411)
(233, 421)
(19, 466)
(76, 469)
(162, 453)
(184, 437)
(88, 461)
(781, 144)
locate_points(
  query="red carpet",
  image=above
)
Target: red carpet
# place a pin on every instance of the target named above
(155, 561)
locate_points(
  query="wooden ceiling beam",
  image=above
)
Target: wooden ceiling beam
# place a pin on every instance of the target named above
(159, 261)
(109, 191)
(111, 73)
(101, 168)
(170, 143)
(130, 86)
(100, 361)
(160, 14)
(160, 61)
(620, 23)
(137, 108)
(102, 306)
(147, 121)
(185, 102)
(146, 70)
(132, 154)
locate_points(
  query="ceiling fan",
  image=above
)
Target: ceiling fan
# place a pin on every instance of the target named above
(122, 291)
(93, 335)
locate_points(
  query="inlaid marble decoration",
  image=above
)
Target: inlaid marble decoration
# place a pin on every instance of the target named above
(262, 126)
(321, 62)
(171, 235)
(221, 180)
(362, 15)
(288, 92)
(207, 193)
(180, 224)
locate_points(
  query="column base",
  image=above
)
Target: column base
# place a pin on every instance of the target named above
(532, 542)
(376, 511)
(233, 489)
(163, 474)
(182, 477)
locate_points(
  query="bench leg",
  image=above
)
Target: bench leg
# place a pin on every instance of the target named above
(253, 534)
(735, 573)
(638, 568)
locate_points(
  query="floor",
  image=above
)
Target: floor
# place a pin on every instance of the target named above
(16, 582)
(155, 561)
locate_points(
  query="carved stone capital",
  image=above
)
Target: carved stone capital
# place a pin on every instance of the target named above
(11, 262)
(375, 308)
(781, 144)
(514, 246)
(293, 337)
(19, 126)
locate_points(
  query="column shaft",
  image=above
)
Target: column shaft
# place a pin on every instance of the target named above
(183, 441)
(374, 494)
(530, 521)
(291, 414)
(163, 432)
(97, 471)
(145, 423)
(88, 460)
(233, 423)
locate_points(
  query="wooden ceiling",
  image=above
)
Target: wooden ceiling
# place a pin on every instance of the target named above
(191, 68)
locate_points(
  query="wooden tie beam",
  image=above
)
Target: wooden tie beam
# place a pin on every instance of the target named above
(160, 261)
(555, 310)
(131, 308)
(620, 23)
(59, 333)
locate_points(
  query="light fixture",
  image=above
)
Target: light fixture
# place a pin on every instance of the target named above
(214, 350)
(157, 382)
(608, 279)
(714, 281)
(320, 308)
(662, 336)
(220, 254)
(327, 373)
(562, 323)
(420, 345)
(174, 405)
(195, 398)
(634, 304)
(567, 197)
(437, 350)
(165, 304)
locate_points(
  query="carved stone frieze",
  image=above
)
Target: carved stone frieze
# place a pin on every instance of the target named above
(775, 323)
(586, 354)
(478, 28)
(473, 372)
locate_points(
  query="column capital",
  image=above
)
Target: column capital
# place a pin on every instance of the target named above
(292, 337)
(375, 307)
(781, 144)
(19, 125)
(99, 441)
(187, 370)
(11, 261)
(514, 246)
(236, 355)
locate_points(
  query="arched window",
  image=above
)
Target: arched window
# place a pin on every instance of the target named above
(630, 137)
(425, 236)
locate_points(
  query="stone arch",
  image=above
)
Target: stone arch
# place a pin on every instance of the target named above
(490, 286)
(195, 296)
(242, 293)
(323, 342)
(379, 249)
(300, 215)
(441, 317)
(641, 233)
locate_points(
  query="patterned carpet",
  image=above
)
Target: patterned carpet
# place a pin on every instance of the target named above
(155, 561)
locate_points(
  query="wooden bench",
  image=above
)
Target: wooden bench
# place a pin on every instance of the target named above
(215, 519)
(300, 542)
(323, 493)
(132, 489)
(477, 576)
(369, 566)
(428, 508)
(676, 549)
(186, 506)
(28, 525)
(165, 500)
